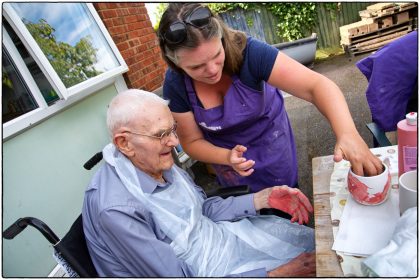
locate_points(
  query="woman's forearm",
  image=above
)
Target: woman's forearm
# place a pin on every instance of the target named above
(330, 101)
(202, 150)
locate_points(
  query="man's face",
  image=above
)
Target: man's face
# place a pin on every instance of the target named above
(150, 154)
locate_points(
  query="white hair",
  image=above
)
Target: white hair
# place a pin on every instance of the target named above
(125, 107)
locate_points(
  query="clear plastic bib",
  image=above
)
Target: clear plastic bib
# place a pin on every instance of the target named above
(214, 249)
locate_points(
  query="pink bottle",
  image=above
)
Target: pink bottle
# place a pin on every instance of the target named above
(407, 143)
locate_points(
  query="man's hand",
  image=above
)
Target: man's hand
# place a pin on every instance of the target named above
(302, 266)
(239, 163)
(289, 200)
(351, 147)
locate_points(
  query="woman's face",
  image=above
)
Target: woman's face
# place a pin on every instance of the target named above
(204, 63)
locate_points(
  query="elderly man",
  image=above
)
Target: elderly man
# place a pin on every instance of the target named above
(144, 217)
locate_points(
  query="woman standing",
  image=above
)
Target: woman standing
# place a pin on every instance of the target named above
(224, 93)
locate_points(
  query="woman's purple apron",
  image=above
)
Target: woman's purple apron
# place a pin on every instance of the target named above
(257, 120)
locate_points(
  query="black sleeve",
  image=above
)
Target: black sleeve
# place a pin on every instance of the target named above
(174, 90)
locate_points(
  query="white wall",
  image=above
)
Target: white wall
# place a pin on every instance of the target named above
(43, 177)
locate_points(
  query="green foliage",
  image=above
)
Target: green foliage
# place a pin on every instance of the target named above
(225, 7)
(333, 8)
(160, 9)
(296, 19)
(6, 82)
(72, 64)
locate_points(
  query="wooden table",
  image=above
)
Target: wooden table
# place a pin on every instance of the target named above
(327, 261)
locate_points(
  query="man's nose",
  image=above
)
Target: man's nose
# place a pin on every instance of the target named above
(172, 139)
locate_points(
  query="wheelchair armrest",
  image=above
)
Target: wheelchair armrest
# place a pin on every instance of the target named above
(378, 135)
(18, 226)
(230, 191)
(95, 159)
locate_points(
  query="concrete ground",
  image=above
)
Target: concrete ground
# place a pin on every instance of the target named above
(313, 134)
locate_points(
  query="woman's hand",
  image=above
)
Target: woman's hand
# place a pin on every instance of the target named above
(351, 147)
(239, 163)
(289, 200)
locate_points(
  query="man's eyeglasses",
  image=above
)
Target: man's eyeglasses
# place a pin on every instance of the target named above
(177, 31)
(163, 137)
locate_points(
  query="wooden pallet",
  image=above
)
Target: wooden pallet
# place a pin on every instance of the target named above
(380, 24)
(382, 32)
(375, 44)
(385, 9)
(377, 16)
(385, 25)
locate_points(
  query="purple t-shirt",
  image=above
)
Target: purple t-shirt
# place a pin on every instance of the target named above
(259, 58)
(392, 74)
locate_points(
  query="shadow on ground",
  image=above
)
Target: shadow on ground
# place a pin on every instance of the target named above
(313, 134)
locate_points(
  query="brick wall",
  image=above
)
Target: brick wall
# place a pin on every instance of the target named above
(131, 29)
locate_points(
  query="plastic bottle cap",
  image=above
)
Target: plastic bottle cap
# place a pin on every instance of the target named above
(411, 118)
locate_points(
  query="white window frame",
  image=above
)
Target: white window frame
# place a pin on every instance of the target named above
(67, 96)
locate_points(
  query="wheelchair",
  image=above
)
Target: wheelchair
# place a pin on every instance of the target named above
(71, 251)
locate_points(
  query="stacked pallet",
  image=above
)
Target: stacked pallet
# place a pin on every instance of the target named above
(380, 24)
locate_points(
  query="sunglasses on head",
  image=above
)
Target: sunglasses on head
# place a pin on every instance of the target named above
(177, 31)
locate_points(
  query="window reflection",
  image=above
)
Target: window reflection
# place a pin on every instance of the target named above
(16, 98)
(70, 39)
(44, 86)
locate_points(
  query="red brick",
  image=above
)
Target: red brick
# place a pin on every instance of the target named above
(100, 6)
(133, 10)
(136, 34)
(117, 21)
(142, 17)
(130, 19)
(134, 26)
(144, 24)
(130, 60)
(134, 43)
(132, 32)
(123, 46)
(109, 13)
(122, 12)
(127, 53)
(143, 39)
(118, 38)
(108, 23)
(117, 29)
(148, 61)
(142, 10)
(120, 5)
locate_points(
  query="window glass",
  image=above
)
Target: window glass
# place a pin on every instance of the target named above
(70, 39)
(16, 98)
(44, 86)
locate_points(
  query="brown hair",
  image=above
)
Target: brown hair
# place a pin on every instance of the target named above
(233, 41)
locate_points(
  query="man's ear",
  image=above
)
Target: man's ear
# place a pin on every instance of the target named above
(123, 145)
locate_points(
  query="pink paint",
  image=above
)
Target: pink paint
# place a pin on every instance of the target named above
(369, 190)
(291, 201)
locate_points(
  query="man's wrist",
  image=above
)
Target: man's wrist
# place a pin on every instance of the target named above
(261, 199)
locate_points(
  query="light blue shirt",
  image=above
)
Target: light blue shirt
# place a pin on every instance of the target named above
(122, 237)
